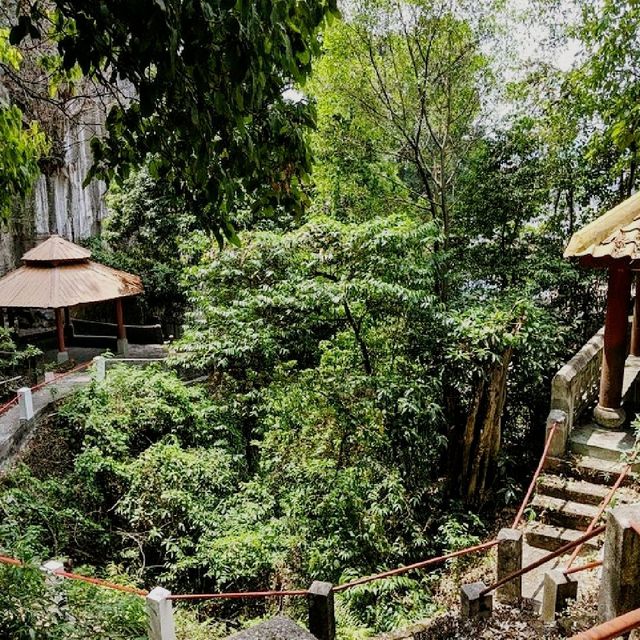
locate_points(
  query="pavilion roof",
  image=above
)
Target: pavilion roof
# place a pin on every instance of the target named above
(56, 249)
(613, 236)
(58, 273)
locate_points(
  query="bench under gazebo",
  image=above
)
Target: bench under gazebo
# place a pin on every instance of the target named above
(58, 274)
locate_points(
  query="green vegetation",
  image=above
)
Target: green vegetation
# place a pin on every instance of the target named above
(375, 347)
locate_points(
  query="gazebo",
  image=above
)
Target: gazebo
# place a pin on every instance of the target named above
(612, 242)
(58, 274)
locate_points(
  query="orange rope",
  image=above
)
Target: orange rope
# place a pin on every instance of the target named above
(5, 406)
(82, 365)
(417, 565)
(75, 576)
(11, 561)
(612, 628)
(584, 567)
(101, 583)
(527, 496)
(236, 596)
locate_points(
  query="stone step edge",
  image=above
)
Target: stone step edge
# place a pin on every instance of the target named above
(581, 491)
(556, 537)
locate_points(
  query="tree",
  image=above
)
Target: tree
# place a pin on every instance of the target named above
(21, 144)
(610, 75)
(197, 88)
(413, 71)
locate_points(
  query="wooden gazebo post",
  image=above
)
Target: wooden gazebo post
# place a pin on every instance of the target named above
(635, 327)
(609, 412)
(123, 343)
(63, 354)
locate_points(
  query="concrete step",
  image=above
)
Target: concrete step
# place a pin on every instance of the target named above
(563, 513)
(546, 536)
(591, 469)
(570, 489)
(604, 444)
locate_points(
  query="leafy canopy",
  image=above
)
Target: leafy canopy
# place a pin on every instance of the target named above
(198, 87)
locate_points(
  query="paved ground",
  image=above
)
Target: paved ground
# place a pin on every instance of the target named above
(14, 435)
(532, 583)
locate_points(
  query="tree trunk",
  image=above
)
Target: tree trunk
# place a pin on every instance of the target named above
(480, 442)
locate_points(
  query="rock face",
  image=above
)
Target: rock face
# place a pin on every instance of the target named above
(59, 203)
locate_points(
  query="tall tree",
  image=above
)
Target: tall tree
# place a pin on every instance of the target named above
(412, 68)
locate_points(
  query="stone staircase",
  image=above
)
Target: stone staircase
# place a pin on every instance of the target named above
(569, 492)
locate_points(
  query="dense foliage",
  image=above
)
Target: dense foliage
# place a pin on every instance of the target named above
(374, 370)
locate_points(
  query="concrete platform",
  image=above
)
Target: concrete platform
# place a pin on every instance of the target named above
(598, 442)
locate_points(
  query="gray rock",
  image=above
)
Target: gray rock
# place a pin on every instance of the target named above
(278, 628)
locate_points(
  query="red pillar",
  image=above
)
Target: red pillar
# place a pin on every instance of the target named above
(60, 330)
(122, 331)
(609, 412)
(635, 327)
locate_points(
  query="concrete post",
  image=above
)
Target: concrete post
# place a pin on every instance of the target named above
(123, 347)
(100, 367)
(322, 620)
(558, 589)
(472, 603)
(509, 560)
(160, 612)
(49, 568)
(25, 401)
(561, 434)
(620, 583)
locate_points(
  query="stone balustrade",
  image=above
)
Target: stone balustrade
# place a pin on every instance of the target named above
(574, 389)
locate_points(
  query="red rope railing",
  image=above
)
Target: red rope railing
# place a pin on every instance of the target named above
(76, 576)
(534, 480)
(99, 582)
(239, 595)
(417, 565)
(583, 567)
(41, 385)
(612, 628)
(64, 374)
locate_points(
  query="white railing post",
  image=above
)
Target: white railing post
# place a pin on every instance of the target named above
(100, 365)
(25, 401)
(160, 612)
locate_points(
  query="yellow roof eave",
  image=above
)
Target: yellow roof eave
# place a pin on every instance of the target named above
(586, 239)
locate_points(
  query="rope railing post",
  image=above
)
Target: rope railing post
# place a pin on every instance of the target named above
(161, 625)
(508, 560)
(558, 589)
(322, 620)
(25, 402)
(620, 579)
(100, 367)
(534, 480)
(550, 556)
